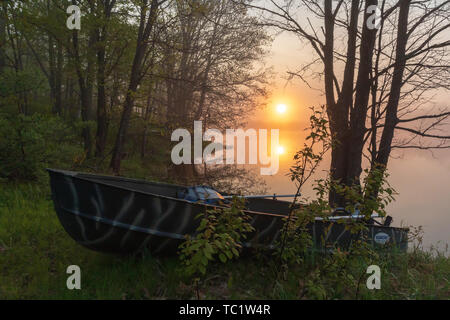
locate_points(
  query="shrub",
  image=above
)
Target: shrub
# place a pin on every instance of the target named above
(220, 233)
(28, 144)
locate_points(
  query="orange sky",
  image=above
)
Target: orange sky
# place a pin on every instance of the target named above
(422, 180)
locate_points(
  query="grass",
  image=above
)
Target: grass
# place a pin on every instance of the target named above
(35, 252)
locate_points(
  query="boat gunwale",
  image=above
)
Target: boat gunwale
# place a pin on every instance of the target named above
(74, 174)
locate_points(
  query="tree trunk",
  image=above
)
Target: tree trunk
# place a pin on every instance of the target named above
(52, 74)
(338, 119)
(145, 29)
(397, 81)
(102, 117)
(358, 114)
(347, 121)
(2, 39)
(59, 79)
(102, 125)
(147, 117)
(85, 84)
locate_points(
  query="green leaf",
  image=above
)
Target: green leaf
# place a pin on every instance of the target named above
(229, 254)
(222, 258)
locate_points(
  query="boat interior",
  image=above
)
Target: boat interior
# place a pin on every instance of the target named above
(173, 191)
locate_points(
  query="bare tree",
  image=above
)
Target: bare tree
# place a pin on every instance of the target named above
(373, 93)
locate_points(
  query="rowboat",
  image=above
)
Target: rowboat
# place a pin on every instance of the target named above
(121, 215)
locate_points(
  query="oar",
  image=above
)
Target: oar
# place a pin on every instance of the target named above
(274, 196)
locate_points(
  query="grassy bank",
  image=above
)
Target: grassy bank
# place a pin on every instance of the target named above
(35, 252)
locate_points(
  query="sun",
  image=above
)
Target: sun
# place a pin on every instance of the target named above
(280, 150)
(281, 108)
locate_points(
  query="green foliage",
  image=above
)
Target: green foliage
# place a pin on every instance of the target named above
(296, 240)
(334, 270)
(15, 84)
(220, 234)
(373, 197)
(28, 144)
(35, 252)
(318, 142)
(330, 270)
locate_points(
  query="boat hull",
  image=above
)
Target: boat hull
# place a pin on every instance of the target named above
(117, 215)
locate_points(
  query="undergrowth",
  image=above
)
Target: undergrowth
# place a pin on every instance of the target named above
(35, 252)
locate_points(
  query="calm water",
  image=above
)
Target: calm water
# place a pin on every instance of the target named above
(423, 184)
